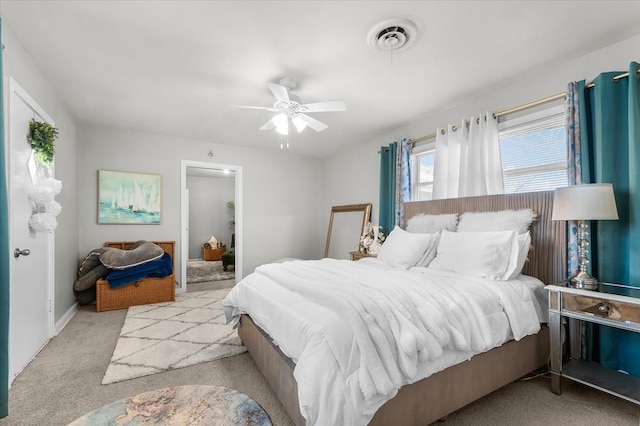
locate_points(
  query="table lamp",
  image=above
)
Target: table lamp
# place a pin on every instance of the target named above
(594, 201)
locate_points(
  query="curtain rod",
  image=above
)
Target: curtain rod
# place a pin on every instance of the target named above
(525, 106)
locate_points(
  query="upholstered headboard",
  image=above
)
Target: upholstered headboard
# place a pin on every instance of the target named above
(548, 255)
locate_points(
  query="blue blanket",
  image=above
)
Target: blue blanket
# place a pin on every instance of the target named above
(160, 268)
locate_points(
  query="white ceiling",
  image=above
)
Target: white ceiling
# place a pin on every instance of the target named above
(177, 67)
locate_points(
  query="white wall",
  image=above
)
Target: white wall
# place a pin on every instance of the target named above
(352, 176)
(19, 66)
(280, 192)
(208, 211)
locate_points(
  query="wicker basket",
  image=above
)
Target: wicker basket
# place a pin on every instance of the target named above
(213, 254)
(148, 290)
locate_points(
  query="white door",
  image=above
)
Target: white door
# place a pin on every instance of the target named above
(31, 275)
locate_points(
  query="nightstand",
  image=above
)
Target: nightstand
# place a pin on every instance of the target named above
(357, 255)
(602, 308)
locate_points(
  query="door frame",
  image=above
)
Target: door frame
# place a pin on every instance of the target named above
(184, 216)
(16, 90)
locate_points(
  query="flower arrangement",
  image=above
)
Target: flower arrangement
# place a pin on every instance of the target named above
(45, 208)
(371, 239)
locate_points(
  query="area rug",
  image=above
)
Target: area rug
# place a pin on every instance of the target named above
(167, 336)
(200, 271)
(192, 405)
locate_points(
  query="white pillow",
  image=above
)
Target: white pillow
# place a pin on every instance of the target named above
(517, 220)
(403, 249)
(430, 251)
(430, 223)
(524, 243)
(482, 254)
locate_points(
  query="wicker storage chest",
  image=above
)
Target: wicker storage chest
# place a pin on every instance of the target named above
(148, 290)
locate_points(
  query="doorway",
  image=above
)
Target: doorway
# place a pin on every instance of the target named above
(196, 174)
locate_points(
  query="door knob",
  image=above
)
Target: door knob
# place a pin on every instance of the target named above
(25, 252)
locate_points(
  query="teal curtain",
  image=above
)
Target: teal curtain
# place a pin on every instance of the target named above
(612, 129)
(4, 263)
(577, 173)
(386, 213)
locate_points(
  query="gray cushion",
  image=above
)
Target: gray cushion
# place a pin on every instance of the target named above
(90, 270)
(89, 262)
(141, 252)
(87, 296)
(89, 279)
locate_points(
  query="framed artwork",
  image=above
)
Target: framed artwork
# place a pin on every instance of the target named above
(129, 198)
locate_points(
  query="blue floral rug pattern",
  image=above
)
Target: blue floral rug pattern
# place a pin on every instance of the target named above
(193, 405)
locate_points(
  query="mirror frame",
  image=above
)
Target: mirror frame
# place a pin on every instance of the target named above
(366, 216)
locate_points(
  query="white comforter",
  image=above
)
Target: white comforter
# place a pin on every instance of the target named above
(358, 331)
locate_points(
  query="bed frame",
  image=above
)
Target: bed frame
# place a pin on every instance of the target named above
(436, 396)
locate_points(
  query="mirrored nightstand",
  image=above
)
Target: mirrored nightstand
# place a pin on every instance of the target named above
(597, 307)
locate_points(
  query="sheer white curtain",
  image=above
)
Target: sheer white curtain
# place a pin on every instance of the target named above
(467, 159)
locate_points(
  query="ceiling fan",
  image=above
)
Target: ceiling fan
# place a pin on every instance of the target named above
(290, 108)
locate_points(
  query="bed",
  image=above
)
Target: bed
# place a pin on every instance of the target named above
(444, 388)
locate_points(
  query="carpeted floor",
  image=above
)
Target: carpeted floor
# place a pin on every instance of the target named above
(166, 336)
(63, 382)
(199, 271)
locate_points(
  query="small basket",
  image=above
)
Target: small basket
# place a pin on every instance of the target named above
(213, 254)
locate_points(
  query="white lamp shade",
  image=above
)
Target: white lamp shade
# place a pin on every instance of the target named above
(283, 130)
(594, 201)
(282, 123)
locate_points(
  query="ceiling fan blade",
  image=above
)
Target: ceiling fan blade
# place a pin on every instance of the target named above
(269, 125)
(254, 107)
(316, 125)
(337, 105)
(280, 92)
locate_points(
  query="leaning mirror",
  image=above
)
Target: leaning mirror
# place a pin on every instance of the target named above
(346, 225)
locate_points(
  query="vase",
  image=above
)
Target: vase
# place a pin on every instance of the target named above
(374, 248)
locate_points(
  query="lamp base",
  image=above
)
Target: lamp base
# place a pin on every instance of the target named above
(584, 281)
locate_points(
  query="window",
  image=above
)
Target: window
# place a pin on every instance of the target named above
(533, 149)
(534, 152)
(422, 167)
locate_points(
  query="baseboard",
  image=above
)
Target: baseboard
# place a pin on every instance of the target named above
(62, 323)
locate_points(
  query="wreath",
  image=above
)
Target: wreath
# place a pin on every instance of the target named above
(42, 137)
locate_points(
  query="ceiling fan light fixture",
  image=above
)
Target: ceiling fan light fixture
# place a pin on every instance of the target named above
(299, 123)
(281, 122)
(289, 107)
(283, 130)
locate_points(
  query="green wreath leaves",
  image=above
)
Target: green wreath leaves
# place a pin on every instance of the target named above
(42, 137)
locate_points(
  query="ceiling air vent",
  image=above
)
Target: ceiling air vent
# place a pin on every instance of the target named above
(392, 35)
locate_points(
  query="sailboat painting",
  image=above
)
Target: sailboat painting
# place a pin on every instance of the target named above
(129, 198)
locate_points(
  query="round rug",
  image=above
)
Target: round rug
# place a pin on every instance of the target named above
(180, 405)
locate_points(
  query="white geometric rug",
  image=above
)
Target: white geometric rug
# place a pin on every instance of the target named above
(166, 336)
